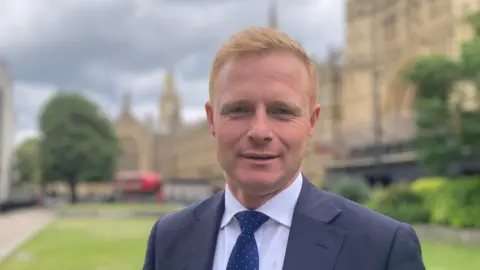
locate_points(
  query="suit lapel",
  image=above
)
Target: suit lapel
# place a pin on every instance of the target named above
(200, 238)
(313, 244)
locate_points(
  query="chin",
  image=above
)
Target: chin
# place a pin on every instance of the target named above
(261, 181)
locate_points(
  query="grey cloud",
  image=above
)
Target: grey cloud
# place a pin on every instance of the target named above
(123, 35)
(120, 35)
(327, 31)
(85, 45)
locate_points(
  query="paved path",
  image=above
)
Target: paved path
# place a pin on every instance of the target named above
(19, 226)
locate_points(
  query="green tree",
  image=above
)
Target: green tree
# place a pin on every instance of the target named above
(27, 162)
(78, 141)
(474, 21)
(470, 53)
(437, 138)
(447, 130)
(470, 68)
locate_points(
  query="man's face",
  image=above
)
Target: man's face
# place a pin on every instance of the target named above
(262, 119)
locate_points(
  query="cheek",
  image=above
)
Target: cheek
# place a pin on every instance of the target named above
(229, 132)
(293, 135)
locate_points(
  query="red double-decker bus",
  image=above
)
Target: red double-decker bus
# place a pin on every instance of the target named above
(139, 186)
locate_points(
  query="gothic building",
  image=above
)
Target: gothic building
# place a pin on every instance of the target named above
(374, 121)
(146, 143)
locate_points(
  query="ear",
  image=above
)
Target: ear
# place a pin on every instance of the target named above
(314, 119)
(209, 112)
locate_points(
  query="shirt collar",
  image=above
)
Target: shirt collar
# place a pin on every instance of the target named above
(280, 208)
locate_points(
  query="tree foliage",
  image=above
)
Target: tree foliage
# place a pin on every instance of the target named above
(434, 77)
(470, 67)
(474, 21)
(27, 162)
(447, 131)
(78, 142)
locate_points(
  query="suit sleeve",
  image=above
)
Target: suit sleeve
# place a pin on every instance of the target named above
(405, 253)
(149, 262)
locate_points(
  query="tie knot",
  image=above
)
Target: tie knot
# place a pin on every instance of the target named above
(250, 221)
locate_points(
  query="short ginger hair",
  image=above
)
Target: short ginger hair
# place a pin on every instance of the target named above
(262, 40)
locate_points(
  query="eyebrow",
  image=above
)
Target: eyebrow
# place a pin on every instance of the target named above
(244, 102)
(288, 104)
(224, 108)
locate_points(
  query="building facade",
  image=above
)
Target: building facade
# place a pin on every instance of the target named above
(7, 129)
(375, 117)
(155, 145)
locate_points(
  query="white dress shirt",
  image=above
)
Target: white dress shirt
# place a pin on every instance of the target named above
(271, 237)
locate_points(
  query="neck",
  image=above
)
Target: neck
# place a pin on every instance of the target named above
(253, 199)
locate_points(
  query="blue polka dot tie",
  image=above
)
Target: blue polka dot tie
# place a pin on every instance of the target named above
(245, 255)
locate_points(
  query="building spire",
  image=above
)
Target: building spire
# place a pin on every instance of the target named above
(169, 87)
(273, 14)
(127, 102)
(169, 107)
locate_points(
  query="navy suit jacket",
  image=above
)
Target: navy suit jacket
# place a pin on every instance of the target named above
(328, 232)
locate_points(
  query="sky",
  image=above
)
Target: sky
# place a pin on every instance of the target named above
(104, 48)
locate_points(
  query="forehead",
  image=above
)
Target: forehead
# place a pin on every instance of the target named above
(273, 75)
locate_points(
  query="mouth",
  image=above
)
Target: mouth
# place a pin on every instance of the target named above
(259, 156)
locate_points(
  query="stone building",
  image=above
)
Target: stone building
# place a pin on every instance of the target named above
(146, 142)
(165, 145)
(7, 129)
(382, 37)
(157, 145)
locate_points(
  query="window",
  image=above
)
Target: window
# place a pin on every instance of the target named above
(325, 94)
(414, 11)
(466, 8)
(389, 25)
(435, 8)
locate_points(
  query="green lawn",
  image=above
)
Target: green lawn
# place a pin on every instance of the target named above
(121, 207)
(119, 244)
(80, 244)
(451, 257)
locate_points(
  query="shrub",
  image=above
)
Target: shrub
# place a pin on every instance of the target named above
(457, 203)
(428, 188)
(400, 202)
(350, 187)
(428, 184)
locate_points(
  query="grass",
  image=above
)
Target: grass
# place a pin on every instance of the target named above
(439, 256)
(79, 244)
(119, 244)
(121, 207)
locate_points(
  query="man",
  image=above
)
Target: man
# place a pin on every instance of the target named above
(262, 112)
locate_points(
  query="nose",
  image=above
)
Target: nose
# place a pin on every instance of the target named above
(260, 130)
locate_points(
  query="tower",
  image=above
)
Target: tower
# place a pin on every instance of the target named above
(126, 103)
(169, 107)
(273, 14)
